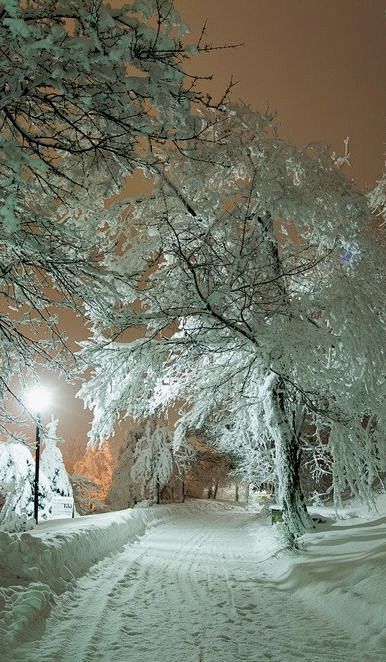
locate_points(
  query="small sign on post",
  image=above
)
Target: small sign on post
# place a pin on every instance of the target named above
(276, 514)
(62, 507)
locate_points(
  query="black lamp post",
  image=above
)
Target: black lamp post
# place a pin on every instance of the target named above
(37, 400)
(37, 467)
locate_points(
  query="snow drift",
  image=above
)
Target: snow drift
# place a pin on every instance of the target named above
(38, 565)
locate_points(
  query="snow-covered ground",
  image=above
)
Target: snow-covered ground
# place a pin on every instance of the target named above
(196, 582)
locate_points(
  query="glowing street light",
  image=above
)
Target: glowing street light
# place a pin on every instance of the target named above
(37, 400)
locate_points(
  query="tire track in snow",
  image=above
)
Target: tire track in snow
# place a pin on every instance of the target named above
(189, 590)
(80, 613)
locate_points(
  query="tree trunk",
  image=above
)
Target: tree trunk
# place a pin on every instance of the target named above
(236, 492)
(287, 459)
(285, 429)
(215, 489)
(295, 514)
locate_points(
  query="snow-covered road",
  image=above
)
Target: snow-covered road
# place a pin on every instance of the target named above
(192, 589)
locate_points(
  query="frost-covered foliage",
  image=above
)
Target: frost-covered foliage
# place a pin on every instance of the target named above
(377, 198)
(124, 492)
(87, 92)
(86, 85)
(153, 460)
(259, 292)
(147, 450)
(51, 463)
(17, 473)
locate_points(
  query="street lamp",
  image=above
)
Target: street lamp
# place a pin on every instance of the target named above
(37, 400)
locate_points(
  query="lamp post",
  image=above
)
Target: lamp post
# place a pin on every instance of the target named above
(37, 467)
(37, 401)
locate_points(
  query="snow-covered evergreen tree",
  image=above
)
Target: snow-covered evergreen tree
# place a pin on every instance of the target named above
(51, 462)
(259, 290)
(17, 474)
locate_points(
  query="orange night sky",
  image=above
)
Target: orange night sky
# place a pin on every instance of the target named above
(320, 64)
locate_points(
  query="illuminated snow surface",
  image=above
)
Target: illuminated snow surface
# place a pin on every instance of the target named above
(196, 582)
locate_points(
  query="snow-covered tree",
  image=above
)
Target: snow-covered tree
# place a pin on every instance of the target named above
(153, 460)
(124, 492)
(51, 462)
(88, 86)
(377, 198)
(96, 464)
(88, 91)
(208, 472)
(259, 293)
(86, 495)
(72, 449)
(17, 474)
(130, 477)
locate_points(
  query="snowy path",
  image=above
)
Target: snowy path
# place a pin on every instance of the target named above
(190, 590)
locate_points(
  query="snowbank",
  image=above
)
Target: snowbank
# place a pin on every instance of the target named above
(340, 571)
(43, 563)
